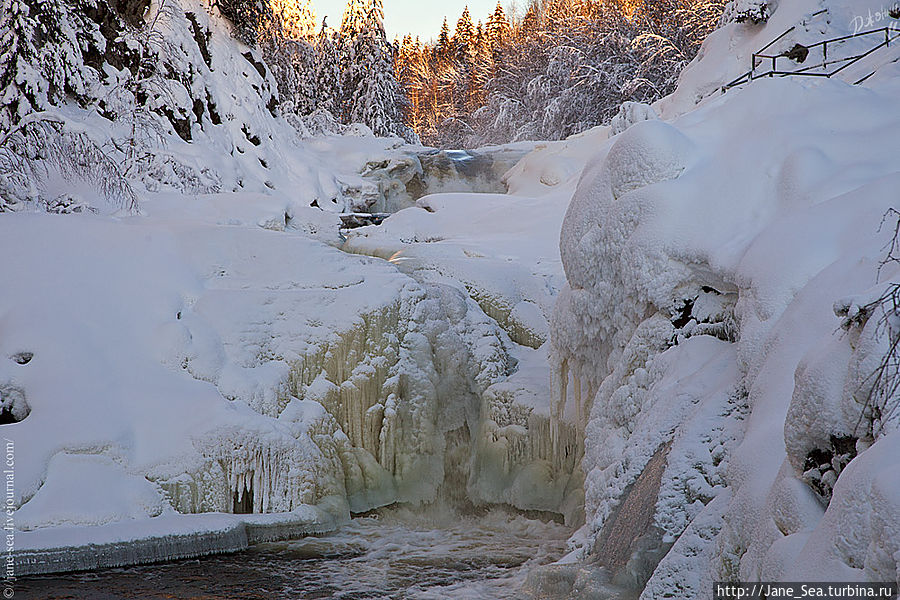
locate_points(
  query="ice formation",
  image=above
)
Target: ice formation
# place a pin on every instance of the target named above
(279, 373)
(705, 261)
(219, 355)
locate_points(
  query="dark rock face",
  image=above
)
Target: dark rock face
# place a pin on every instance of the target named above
(131, 11)
(823, 466)
(13, 405)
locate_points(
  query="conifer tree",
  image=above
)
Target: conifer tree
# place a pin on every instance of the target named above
(372, 92)
(328, 72)
(20, 81)
(497, 27)
(41, 60)
(531, 22)
(247, 16)
(297, 18)
(285, 44)
(443, 46)
(356, 17)
(482, 69)
(464, 39)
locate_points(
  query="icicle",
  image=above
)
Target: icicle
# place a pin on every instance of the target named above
(557, 411)
(576, 388)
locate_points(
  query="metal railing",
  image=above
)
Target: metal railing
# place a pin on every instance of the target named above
(886, 35)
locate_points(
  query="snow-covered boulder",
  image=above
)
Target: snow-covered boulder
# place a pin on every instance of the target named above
(703, 232)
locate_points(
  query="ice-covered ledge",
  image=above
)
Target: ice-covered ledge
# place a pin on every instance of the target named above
(164, 538)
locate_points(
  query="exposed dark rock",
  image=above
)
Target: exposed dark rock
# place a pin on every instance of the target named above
(202, 38)
(823, 466)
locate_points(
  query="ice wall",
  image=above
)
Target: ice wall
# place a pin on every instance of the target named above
(361, 401)
(507, 263)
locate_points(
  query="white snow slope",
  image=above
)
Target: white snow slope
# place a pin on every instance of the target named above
(706, 256)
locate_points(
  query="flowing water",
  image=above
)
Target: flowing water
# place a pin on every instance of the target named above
(392, 553)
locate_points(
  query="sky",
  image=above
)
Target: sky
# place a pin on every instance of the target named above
(417, 17)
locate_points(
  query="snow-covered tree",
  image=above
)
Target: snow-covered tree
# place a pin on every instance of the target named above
(497, 27)
(328, 72)
(464, 39)
(357, 15)
(443, 48)
(372, 92)
(37, 147)
(286, 40)
(297, 18)
(41, 59)
(567, 65)
(247, 16)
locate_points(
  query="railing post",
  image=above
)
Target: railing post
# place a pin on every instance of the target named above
(774, 66)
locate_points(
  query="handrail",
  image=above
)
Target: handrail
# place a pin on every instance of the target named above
(824, 43)
(758, 57)
(772, 43)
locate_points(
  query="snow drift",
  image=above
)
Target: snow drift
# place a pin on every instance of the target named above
(704, 255)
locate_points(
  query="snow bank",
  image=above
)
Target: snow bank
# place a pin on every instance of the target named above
(703, 257)
(726, 54)
(197, 359)
(162, 538)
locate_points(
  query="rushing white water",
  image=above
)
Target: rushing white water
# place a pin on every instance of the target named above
(408, 553)
(436, 554)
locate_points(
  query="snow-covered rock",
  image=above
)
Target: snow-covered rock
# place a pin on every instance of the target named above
(736, 227)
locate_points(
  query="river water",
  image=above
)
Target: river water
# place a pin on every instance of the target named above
(392, 553)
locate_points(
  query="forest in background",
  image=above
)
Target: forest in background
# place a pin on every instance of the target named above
(550, 70)
(563, 67)
(559, 68)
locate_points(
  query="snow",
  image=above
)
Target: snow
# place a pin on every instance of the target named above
(202, 355)
(214, 344)
(507, 261)
(698, 277)
(110, 494)
(767, 197)
(161, 538)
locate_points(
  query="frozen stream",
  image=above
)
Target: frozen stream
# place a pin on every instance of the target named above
(393, 553)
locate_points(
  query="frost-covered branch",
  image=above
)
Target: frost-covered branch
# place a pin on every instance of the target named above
(882, 399)
(40, 148)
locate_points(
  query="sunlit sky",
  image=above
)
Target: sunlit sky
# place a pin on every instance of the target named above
(417, 17)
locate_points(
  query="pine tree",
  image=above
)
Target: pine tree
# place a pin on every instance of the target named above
(443, 47)
(297, 18)
(41, 61)
(285, 44)
(482, 69)
(21, 83)
(497, 27)
(464, 39)
(531, 22)
(247, 16)
(357, 15)
(328, 72)
(307, 21)
(373, 93)
(412, 72)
